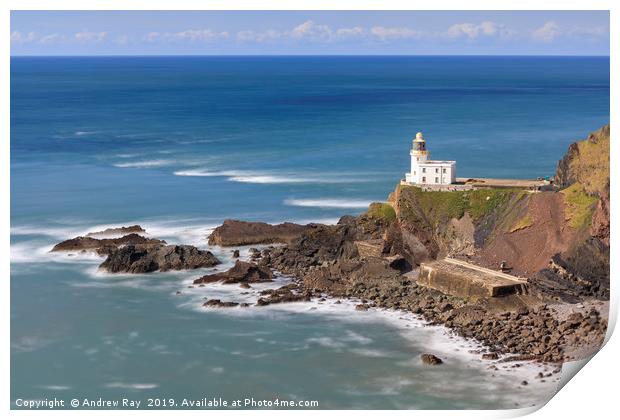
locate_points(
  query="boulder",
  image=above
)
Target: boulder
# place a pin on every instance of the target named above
(284, 294)
(430, 359)
(217, 303)
(242, 272)
(143, 258)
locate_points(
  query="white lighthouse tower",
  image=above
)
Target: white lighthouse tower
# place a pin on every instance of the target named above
(428, 172)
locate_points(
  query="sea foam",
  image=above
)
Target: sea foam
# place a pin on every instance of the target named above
(264, 177)
(144, 163)
(335, 203)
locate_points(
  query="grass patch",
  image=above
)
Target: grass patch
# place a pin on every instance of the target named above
(579, 206)
(525, 222)
(591, 165)
(381, 211)
(440, 206)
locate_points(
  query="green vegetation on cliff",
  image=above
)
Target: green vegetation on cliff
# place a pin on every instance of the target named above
(439, 206)
(579, 206)
(382, 211)
(592, 162)
(587, 162)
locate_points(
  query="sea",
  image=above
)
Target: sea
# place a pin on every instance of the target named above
(179, 144)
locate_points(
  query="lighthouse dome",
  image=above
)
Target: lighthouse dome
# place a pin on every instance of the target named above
(419, 137)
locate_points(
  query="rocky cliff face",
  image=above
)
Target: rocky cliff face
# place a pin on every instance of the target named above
(559, 239)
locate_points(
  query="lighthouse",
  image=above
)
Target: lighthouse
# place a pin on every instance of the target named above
(425, 171)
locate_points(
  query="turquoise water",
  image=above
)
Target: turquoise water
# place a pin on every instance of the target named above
(179, 144)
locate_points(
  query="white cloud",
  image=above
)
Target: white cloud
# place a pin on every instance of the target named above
(86, 36)
(551, 30)
(311, 30)
(249, 35)
(191, 35)
(21, 38)
(51, 38)
(477, 30)
(308, 30)
(384, 33)
(547, 33)
(350, 32)
(151, 37)
(197, 35)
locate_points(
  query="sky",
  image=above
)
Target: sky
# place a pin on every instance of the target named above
(309, 32)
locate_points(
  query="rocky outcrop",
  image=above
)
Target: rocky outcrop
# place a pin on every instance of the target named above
(142, 258)
(285, 294)
(217, 303)
(124, 230)
(584, 271)
(601, 217)
(103, 246)
(242, 272)
(236, 232)
(586, 162)
(430, 359)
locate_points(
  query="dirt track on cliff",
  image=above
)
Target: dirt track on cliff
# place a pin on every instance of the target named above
(529, 249)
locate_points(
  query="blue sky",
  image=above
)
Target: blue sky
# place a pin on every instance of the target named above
(309, 32)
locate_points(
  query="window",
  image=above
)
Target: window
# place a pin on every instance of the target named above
(417, 159)
(423, 179)
(444, 170)
(413, 173)
(423, 170)
(436, 170)
(436, 180)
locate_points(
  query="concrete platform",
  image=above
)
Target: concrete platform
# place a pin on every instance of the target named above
(530, 184)
(462, 279)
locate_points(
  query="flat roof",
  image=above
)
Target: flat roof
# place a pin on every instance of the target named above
(438, 162)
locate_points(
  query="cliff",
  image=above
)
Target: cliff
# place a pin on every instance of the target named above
(559, 239)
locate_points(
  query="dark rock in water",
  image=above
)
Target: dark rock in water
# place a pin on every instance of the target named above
(362, 307)
(235, 253)
(254, 253)
(524, 383)
(103, 246)
(236, 232)
(284, 294)
(242, 272)
(118, 231)
(430, 359)
(217, 303)
(245, 286)
(490, 356)
(148, 258)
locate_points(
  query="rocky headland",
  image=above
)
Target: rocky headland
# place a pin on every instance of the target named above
(557, 240)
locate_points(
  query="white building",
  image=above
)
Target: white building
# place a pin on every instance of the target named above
(429, 172)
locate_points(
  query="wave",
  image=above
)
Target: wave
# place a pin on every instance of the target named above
(252, 177)
(144, 163)
(85, 133)
(335, 203)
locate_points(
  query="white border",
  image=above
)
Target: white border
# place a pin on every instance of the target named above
(592, 394)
